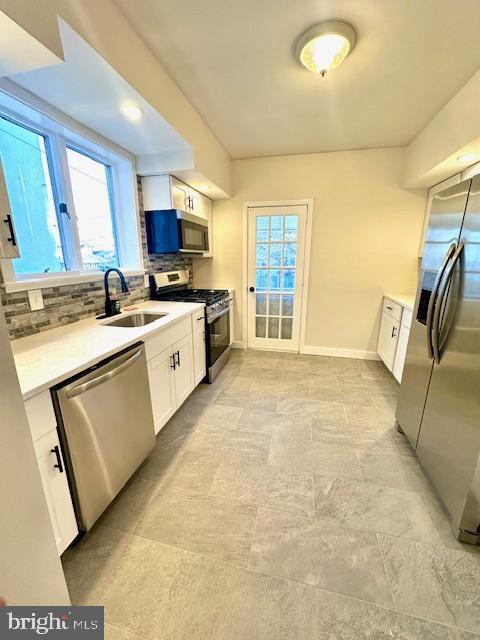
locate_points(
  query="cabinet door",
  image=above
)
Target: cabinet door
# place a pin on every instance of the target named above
(179, 195)
(401, 352)
(184, 371)
(162, 387)
(8, 242)
(200, 364)
(387, 340)
(56, 489)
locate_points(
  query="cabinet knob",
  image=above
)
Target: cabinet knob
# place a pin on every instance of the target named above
(252, 289)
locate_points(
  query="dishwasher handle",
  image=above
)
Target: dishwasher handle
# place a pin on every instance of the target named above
(81, 388)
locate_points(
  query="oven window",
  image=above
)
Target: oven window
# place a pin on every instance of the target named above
(219, 331)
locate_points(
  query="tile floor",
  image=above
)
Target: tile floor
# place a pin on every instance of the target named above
(280, 503)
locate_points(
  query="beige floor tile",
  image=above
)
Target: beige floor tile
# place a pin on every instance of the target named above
(433, 582)
(370, 416)
(265, 485)
(321, 554)
(363, 505)
(342, 618)
(206, 524)
(253, 447)
(351, 435)
(128, 507)
(162, 593)
(316, 457)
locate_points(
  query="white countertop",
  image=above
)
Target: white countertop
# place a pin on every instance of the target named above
(405, 299)
(47, 358)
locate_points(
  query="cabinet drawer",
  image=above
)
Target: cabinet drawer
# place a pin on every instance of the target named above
(392, 308)
(407, 318)
(40, 415)
(165, 338)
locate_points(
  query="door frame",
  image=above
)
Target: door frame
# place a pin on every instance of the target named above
(306, 262)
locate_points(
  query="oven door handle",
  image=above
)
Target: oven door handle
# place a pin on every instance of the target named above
(221, 313)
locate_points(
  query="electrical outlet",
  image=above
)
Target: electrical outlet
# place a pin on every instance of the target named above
(35, 298)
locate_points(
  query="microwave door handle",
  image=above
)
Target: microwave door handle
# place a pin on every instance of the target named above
(433, 297)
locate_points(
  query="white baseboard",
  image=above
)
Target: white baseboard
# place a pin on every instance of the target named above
(340, 353)
(238, 344)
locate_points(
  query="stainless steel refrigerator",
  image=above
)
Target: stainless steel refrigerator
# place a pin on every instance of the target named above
(439, 404)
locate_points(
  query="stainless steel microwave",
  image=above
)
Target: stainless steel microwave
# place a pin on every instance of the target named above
(172, 230)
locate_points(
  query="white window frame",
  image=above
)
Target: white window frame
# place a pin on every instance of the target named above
(57, 128)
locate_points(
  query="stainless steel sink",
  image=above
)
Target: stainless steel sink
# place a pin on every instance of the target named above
(135, 320)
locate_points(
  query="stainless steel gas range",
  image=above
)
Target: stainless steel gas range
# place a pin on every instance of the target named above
(174, 286)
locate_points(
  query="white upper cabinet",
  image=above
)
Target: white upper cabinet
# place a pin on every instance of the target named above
(8, 242)
(167, 192)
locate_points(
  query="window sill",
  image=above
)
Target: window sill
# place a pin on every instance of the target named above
(61, 280)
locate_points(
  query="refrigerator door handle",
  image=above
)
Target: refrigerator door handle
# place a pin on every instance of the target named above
(438, 307)
(433, 297)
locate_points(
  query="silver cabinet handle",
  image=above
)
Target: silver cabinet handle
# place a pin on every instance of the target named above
(81, 388)
(438, 307)
(433, 297)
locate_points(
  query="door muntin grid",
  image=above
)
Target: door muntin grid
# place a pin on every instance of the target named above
(276, 249)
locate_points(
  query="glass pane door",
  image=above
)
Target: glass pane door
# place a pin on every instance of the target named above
(276, 239)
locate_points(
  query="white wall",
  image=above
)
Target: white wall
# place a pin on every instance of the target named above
(455, 129)
(366, 231)
(105, 28)
(30, 569)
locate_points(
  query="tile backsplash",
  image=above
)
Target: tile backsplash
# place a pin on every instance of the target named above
(73, 302)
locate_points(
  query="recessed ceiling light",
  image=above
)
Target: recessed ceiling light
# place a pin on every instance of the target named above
(325, 46)
(131, 111)
(468, 157)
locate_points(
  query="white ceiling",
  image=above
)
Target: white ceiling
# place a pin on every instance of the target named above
(90, 91)
(233, 60)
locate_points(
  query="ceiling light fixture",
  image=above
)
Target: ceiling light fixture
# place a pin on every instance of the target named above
(325, 46)
(468, 157)
(131, 111)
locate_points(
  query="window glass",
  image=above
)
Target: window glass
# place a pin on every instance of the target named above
(29, 185)
(93, 209)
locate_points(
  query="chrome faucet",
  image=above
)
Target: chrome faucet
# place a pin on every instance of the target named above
(109, 307)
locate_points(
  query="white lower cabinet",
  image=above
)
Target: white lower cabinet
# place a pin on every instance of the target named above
(162, 388)
(387, 339)
(401, 352)
(172, 370)
(393, 336)
(56, 489)
(183, 372)
(43, 427)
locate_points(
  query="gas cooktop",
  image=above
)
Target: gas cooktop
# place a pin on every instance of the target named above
(208, 296)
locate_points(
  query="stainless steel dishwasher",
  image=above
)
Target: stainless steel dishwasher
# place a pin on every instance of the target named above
(106, 426)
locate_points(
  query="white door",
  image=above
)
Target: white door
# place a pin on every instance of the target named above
(200, 364)
(387, 340)
(55, 487)
(184, 369)
(276, 249)
(8, 240)
(162, 388)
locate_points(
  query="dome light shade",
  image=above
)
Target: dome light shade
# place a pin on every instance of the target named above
(325, 46)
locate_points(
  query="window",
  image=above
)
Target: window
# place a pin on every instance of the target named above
(72, 199)
(92, 199)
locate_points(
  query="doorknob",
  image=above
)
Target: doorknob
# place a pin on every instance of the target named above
(252, 289)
